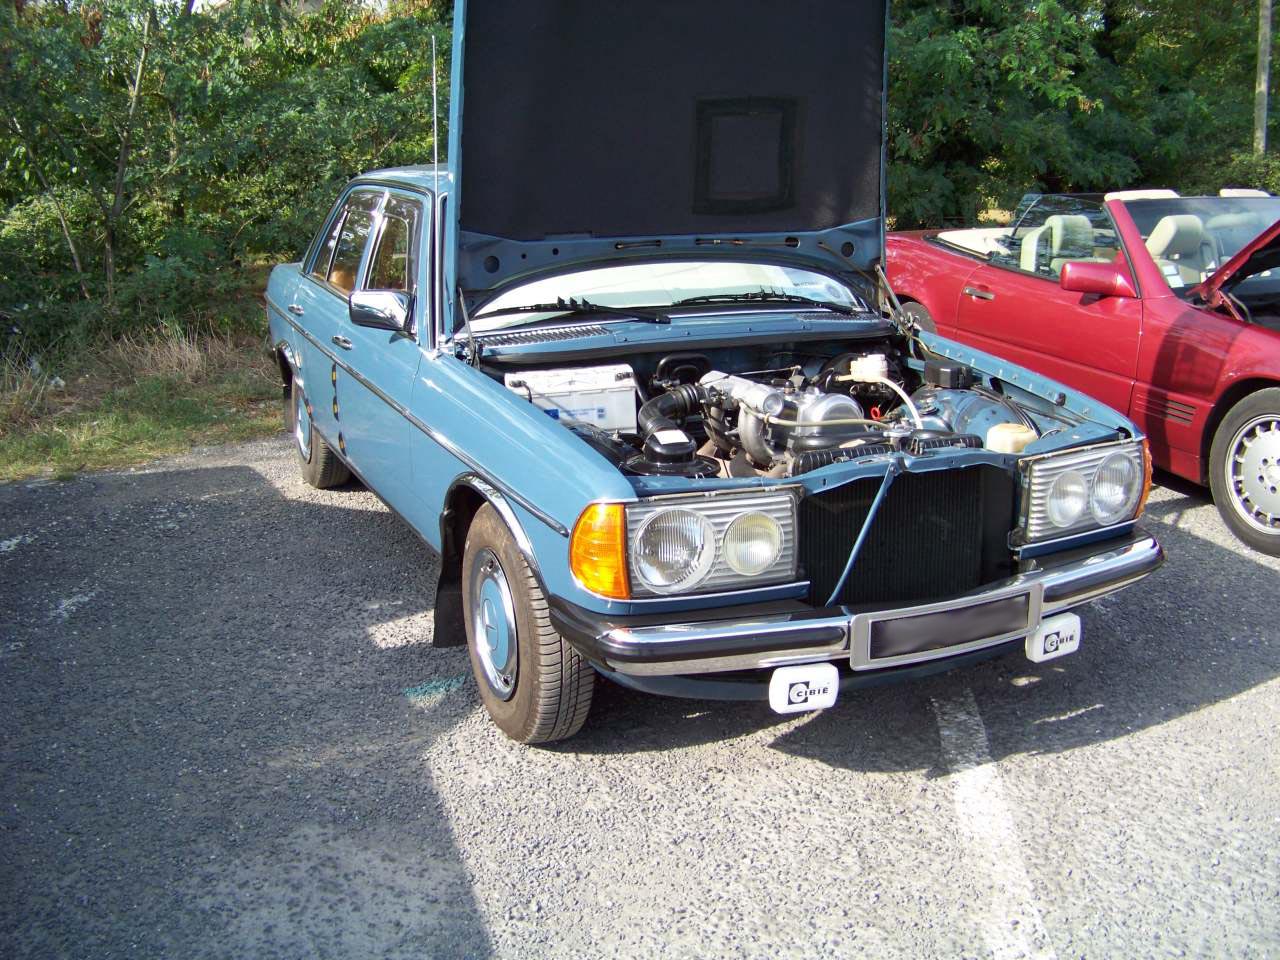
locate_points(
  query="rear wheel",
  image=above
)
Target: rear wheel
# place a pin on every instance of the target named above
(1244, 470)
(534, 685)
(922, 317)
(918, 314)
(318, 464)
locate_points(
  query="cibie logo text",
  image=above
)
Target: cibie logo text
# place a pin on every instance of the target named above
(804, 691)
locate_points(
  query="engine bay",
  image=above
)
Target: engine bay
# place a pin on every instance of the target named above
(778, 410)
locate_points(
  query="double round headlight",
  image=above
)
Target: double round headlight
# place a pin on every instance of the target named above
(675, 549)
(1109, 493)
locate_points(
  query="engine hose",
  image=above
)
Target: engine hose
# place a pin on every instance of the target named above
(664, 410)
(834, 422)
(884, 381)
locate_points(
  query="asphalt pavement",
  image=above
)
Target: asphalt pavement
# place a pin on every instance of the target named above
(225, 734)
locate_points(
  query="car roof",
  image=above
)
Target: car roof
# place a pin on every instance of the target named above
(424, 176)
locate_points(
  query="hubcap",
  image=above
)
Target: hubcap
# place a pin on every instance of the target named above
(1253, 473)
(301, 424)
(493, 624)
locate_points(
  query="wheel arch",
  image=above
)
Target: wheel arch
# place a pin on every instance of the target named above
(465, 497)
(1221, 407)
(286, 363)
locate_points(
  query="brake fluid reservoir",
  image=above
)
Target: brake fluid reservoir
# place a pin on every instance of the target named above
(1009, 437)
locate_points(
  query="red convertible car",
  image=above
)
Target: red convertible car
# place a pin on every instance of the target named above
(1163, 306)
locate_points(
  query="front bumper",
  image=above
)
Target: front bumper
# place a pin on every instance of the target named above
(777, 634)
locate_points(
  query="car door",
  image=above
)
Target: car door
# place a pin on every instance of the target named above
(1013, 306)
(374, 391)
(320, 304)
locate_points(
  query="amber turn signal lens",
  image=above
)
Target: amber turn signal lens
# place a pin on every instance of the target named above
(1146, 478)
(598, 550)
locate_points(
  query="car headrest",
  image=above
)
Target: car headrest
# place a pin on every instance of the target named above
(1178, 235)
(1070, 233)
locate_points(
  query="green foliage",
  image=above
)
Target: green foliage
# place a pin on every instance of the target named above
(181, 146)
(148, 153)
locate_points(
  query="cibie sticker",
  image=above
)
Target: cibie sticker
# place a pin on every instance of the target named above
(810, 686)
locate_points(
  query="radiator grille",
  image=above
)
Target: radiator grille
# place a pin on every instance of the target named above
(937, 534)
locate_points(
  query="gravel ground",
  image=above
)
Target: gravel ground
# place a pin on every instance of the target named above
(225, 735)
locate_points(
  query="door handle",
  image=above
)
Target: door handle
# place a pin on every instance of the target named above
(296, 310)
(979, 294)
(343, 342)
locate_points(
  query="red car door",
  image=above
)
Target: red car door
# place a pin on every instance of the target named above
(1013, 306)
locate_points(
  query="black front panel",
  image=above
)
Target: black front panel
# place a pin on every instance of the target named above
(938, 534)
(950, 628)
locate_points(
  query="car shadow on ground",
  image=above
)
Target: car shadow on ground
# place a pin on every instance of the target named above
(208, 747)
(1197, 632)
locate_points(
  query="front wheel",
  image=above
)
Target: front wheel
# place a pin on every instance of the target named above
(534, 685)
(1244, 470)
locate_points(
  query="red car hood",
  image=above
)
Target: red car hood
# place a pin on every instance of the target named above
(1259, 254)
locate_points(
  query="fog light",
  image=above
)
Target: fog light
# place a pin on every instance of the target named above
(752, 544)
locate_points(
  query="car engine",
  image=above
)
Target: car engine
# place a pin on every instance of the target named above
(699, 420)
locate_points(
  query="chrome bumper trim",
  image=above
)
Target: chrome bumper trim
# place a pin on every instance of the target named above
(788, 638)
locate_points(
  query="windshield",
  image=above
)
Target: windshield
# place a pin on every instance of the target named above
(1191, 237)
(661, 285)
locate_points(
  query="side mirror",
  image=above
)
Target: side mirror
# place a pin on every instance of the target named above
(1103, 279)
(381, 309)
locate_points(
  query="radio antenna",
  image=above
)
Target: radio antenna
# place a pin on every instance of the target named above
(435, 110)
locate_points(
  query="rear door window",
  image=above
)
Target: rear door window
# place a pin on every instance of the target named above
(338, 260)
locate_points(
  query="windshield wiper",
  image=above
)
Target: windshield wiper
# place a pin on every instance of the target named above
(768, 296)
(580, 306)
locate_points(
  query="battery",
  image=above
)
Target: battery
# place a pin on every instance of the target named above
(604, 396)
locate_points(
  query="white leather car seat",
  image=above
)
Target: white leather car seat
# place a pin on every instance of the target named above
(1063, 238)
(1177, 246)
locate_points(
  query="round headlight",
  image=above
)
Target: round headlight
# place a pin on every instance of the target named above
(1116, 487)
(1068, 499)
(674, 550)
(752, 544)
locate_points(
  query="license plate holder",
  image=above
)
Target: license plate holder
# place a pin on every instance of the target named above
(943, 629)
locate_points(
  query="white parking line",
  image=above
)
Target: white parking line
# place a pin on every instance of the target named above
(1011, 923)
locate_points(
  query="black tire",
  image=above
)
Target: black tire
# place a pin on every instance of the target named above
(552, 683)
(923, 319)
(318, 464)
(1257, 416)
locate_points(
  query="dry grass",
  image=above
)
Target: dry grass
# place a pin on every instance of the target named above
(133, 399)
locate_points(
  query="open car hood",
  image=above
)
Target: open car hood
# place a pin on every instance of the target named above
(592, 131)
(1259, 254)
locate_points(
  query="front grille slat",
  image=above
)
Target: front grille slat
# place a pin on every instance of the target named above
(937, 534)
